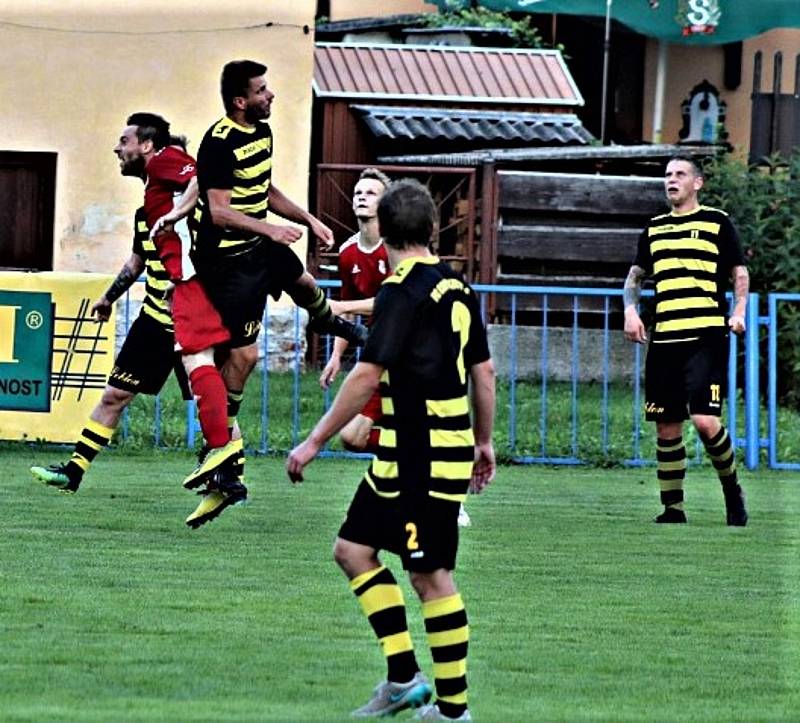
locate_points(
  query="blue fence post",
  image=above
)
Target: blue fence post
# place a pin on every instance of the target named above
(772, 382)
(751, 384)
(191, 423)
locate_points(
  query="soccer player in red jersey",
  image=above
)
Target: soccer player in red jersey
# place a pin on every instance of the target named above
(169, 174)
(363, 265)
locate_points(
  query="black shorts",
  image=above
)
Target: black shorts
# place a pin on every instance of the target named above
(146, 359)
(686, 378)
(423, 534)
(238, 285)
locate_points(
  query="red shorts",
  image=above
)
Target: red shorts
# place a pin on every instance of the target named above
(372, 408)
(198, 325)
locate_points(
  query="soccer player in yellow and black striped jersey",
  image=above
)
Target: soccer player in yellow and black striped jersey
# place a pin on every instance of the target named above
(239, 256)
(692, 254)
(142, 366)
(427, 343)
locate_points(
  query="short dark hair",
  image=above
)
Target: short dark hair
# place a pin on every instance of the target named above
(235, 79)
(375, 175)
(406, 214)
(697, 169)
(179, 140)
(151, 127)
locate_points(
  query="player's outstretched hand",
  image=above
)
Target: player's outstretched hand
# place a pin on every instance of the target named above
(634, 328)
(299, 457)
(322, 233)
(163, 224)
(736, 324)
(101, 309)
(285, 235)
(483, 469)
(330, 371)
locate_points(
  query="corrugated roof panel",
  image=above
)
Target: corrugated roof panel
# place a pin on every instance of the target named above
(432, 123)
(483, 75)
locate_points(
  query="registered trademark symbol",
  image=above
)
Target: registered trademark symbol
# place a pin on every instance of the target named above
(34, 319)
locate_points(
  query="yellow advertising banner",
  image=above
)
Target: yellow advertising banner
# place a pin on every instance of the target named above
(54, 358)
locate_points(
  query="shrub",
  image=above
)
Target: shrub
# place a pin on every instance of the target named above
(764, 202)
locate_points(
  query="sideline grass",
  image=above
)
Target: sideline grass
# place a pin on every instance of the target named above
(580, 608)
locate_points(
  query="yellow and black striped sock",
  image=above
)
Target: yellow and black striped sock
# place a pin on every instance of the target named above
(93, 439)
(723, 458)
(381, 599)
(671, 470)
(448, 637)
(234, 404)
(319, 311)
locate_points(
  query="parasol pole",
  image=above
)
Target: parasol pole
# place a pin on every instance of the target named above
(660, 92)
(606, 57)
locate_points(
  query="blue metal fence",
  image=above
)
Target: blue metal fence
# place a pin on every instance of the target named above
(772, 380)
(521, 424)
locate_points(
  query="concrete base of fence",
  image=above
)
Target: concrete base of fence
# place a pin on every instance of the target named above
(281, 340)
(590, 349)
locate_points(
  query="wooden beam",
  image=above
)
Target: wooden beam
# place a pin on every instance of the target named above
(568, 243)
(581, 193)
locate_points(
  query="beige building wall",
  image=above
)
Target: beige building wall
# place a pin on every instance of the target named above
(74, 69)
(690, 65)
(349, 9)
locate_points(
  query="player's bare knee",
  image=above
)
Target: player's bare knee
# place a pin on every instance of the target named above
(352, 558)
(115, 400)
(342, 553)
(200, 359)
(432, 585)
(707, 427)
(669, 430)
(242, 361)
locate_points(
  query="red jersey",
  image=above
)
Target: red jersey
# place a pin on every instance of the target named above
(362, 272)
(168, 174)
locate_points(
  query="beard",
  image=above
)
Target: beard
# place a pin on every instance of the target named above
(255, 113)
(133, 167)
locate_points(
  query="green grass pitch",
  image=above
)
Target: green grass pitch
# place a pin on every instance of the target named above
(580, 608)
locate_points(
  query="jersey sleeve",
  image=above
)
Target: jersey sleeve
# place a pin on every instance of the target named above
(391, 327)
(140, 232)
(643, 258)
(476, 350)
(215, 164)
(731, 251)
(177, 169)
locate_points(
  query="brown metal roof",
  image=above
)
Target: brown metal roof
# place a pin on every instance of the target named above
(448, 74)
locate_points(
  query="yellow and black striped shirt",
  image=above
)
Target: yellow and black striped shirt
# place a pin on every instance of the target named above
(426, 333)
(690, 257)
(236, 159)
(156, 277)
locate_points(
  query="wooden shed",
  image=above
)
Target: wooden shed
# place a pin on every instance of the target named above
(378, 100)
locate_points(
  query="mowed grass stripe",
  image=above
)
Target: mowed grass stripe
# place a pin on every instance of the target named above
(580, 608)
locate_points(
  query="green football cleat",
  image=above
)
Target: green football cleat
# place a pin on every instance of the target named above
(56, 476)
(211, 462)
(389, 698)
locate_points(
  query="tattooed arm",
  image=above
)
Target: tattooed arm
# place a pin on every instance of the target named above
(741, 288)
(631, 293)
(125, 278)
